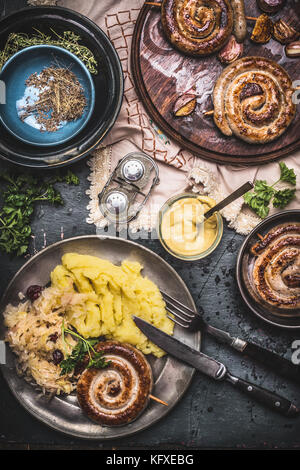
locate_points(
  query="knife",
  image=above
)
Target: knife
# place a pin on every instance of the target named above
(280, 365)
(214, 369)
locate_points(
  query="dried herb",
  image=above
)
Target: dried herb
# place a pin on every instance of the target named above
(68, 40)
(20, 195)
(60, 97)
(263, 193)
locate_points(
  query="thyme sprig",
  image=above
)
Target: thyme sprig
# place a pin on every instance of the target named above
(68, 40)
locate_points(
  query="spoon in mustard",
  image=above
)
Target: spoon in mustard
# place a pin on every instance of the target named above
(228, 200)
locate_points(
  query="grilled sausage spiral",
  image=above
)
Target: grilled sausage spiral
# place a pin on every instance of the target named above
(253, 100)
(197, 27)
(117, 394)
(276, 272)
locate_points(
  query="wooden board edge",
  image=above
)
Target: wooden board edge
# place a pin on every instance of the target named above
(237, 160)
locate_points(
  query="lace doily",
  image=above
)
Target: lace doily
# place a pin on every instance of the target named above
(203, 181)
(199, 180)
(100, 167)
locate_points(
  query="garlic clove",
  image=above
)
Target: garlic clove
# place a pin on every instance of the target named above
(284, 33)
(271, 6)
(185, 105)
(263, 29)
(293, 49)
(231, 51)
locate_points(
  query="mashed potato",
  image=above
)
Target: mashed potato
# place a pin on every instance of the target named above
(92, 295)
(112, 294)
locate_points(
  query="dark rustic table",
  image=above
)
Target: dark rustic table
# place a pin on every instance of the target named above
(211, 415)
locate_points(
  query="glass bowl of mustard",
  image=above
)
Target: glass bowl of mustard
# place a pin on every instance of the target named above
(182, 229)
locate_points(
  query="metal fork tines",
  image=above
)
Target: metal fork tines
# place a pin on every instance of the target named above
(182, 315)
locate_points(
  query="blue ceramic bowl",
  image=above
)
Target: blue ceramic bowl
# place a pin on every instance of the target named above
(15, 73)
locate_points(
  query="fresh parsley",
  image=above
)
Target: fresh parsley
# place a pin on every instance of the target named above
(71, 178)
(287, 174)
(283, 197)
(20, 193)
(263, 194)
(78, 354)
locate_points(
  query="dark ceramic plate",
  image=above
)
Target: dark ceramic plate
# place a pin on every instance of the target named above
(108, 87)
(245, 261)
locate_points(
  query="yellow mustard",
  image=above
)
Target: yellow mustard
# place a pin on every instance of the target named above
(182, 229)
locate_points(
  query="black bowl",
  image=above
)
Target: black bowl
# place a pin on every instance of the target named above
(108, 87)
(283, 318)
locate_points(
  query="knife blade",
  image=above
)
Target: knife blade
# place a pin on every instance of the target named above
(181, 351)
(214, 369)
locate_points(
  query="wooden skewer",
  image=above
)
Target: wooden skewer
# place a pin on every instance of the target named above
(153, 4)
(158, 400)
(251, 18)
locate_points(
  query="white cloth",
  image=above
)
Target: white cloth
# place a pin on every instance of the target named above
(179, 170)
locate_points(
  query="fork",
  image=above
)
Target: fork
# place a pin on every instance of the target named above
(193, 321)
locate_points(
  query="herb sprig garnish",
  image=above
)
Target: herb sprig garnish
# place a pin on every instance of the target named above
(68, 40)
(77, 356)
(20, 195)
(263, 194)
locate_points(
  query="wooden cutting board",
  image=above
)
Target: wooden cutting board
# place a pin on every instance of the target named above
(162, 74)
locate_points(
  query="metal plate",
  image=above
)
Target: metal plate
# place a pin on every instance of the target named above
(171, 377)
(245, 261)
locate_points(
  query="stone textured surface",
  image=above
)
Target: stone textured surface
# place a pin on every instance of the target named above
(211, 414)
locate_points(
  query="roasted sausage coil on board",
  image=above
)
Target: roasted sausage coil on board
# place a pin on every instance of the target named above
(117, 394)
(253, 100)
(201, 28)
(276, 272)
(197, 27)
